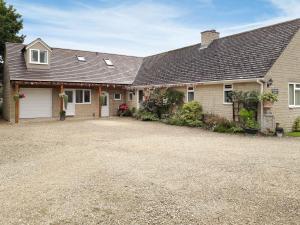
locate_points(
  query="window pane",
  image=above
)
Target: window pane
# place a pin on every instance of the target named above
(228, 96)
(79, 96)
(43, 56)
(141, 96)
(34, 56)
(228, 86)
(297, 85)
(104, 100)
(87, 96)
(70, 96)
(297, 98)
(291, 94)
(190, 96)
(130, 96)
(117, 96)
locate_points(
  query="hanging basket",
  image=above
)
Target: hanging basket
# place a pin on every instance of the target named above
(19, 96)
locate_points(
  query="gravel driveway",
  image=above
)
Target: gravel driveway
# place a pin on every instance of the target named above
(121, 171)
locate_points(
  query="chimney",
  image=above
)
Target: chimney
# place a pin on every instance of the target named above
(208, 36)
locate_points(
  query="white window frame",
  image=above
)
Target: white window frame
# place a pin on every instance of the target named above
(130, 94)
(295, 89)
(224, 90)
(83, 102)
(189, 91)
(108, 62)
(117, 99)
(39, 55)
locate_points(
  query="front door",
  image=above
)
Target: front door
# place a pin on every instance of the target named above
(105, 104)
(70, 108)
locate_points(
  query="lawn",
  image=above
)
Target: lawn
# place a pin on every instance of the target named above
(293, 134)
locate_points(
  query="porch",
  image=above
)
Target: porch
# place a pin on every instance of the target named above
(43, 100)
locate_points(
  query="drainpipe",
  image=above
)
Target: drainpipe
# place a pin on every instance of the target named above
(261, 103)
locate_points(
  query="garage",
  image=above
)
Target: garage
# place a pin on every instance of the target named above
(36, 104)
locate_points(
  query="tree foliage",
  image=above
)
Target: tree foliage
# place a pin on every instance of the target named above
(10, 25)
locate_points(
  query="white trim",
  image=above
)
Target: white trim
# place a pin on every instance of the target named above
(294, 106)
(189, 91)
(117, 99)
(40, 41)
(39, 55)
(227, 89)
(83, 102)
(199, 83)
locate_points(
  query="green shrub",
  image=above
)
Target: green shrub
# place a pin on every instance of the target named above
(162, 102)
(296, 126)
(145, 116)
(189, 115)
(247, 119)
(269, 97)
(220, 124)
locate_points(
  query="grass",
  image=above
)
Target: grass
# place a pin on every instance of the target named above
(293, 134)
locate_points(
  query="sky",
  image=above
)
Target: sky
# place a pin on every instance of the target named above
(144, 27)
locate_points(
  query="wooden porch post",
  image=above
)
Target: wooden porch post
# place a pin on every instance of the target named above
(99, 97)
(17, 104)
(61, 99)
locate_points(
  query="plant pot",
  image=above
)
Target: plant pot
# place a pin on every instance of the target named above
(62, 118)
(279, 131)
(251, 130)
(268, 104)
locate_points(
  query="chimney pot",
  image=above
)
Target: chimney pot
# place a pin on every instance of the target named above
(208, 36)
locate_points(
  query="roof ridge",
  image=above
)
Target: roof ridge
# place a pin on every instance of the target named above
(259, 28)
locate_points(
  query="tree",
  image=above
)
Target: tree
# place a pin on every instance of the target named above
(10, 25)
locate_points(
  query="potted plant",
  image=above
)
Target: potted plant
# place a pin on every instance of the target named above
(63, 115)
(65, 99)
(279, 131)
(268, 99)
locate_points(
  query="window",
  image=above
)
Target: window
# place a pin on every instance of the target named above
(190, 94)
(130, 96)
(81, 58)
(117, 96)
(141, 96)
(83, 96)
(108, 62)
(38, 56)
(228, 93)
(294, 95)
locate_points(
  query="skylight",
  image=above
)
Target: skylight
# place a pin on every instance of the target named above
(108, 62)
(81, 58)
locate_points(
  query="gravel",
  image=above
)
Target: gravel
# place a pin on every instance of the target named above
(121, 171)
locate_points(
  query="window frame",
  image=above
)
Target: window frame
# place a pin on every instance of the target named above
(224, 90)
(108, 62)
(295, 89)
(83, 101)
(130, 94)
(117, 99)
(190, 91)
(39, 56)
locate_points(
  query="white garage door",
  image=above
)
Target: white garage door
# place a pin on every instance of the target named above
(37, 103)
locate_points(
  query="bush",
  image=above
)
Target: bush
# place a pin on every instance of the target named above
(247, 118)
(190, 115)
(145, 116)
(163, 102)
(296, 126)
(220, 124)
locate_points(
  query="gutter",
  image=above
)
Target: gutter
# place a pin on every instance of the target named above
(261, 83)
(196, 83)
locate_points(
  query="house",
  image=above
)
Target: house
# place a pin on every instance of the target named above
(264, 59)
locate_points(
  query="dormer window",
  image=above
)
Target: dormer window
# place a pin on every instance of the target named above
(108, 62)
(38, 56)
(81, 59)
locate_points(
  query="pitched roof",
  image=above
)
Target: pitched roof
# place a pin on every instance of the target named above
(242, 56)
(66, 67)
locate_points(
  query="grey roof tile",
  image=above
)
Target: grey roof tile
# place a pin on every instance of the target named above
(242, 56)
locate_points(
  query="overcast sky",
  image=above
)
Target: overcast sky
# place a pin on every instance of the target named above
(143, 28)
